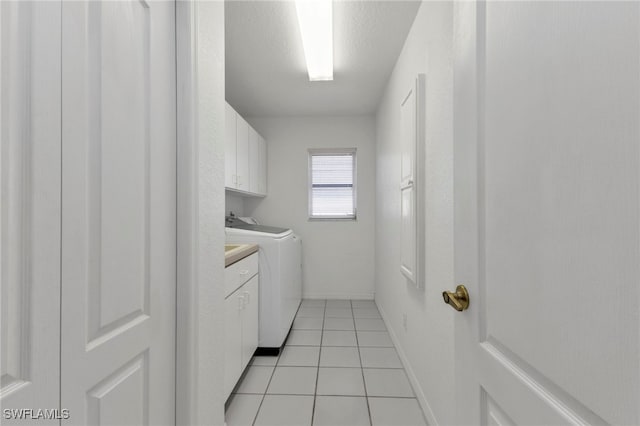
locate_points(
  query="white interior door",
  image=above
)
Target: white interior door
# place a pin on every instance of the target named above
(30, 209)
(118, 212)
(547, 220)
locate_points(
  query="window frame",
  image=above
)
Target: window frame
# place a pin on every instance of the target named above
(332, 152)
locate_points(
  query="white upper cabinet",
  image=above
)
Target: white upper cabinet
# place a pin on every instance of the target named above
(245, 156)
(242, 153)
(262, 167)
(254, 161)
(230, 176)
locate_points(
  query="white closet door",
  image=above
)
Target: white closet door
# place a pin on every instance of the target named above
(547, 203)
(118, 217)
(30, 206)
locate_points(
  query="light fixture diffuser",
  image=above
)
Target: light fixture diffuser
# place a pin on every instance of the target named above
(315, 18)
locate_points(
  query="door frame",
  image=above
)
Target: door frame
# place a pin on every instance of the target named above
(200, 211)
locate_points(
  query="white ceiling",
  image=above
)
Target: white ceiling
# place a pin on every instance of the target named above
(265, 67)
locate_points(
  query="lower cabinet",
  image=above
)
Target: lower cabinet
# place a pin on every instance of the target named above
(241, 331)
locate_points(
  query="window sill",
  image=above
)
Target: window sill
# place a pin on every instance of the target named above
(333, 219)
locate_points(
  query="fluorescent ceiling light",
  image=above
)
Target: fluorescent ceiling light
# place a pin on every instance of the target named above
(315, 18)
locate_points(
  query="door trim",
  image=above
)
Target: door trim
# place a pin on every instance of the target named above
(200, 212)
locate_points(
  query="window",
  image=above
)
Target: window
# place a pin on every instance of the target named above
(332, 183)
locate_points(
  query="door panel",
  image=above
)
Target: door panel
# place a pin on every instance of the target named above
(232, 341)
(30, 207)
(547, 164)
(119, 187)
(250, 319)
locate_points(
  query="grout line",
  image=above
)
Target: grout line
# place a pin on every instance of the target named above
(364, 384)
(315, 390)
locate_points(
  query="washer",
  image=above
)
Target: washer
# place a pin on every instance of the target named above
(280, 269)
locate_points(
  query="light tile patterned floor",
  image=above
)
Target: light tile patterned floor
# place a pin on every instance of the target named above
(339, 367)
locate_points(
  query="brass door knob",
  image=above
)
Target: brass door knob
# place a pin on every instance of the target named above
(458, 300)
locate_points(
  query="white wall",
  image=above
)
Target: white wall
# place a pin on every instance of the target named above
(233, 202)
(338, 256)
(427, 345)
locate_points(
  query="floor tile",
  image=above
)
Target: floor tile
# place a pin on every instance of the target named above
(338, 313)
(307, 324)
(396, 411)
(366, 313)
(242, 410)
(339, 357)
(310, 312)
(339, 338)
(338, 324)
(301, 356)
(338, 303)
(264, 360)
(379, 358)
(255, 380)
(363, 304)
(341, 411)
(374, 338)
(368, 324)
(340, 381)
(313, 303)
(304, 338)
(387, 382)
(285, 410)
(293, 381)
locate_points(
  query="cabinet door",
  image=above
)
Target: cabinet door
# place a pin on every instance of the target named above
(232, 340)
(249, 319)
(242, 153)
(262, 167)
(254, 161)
(230, 148)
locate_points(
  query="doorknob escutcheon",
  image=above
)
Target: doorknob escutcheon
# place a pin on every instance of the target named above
(458, 300)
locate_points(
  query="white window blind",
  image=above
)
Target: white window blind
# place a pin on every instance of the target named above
(332, 186)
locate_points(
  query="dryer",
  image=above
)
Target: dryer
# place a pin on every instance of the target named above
(280, 269)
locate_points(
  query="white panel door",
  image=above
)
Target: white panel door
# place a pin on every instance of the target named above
(30, 209)
(254, 161)
(230, 147)
(118, 212)
(242, 153)
(547, 212)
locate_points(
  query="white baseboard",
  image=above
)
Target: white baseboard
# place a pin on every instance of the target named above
(355, 296)
(422, 400)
